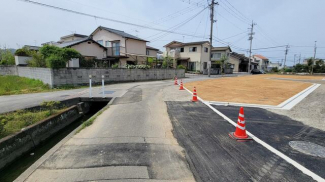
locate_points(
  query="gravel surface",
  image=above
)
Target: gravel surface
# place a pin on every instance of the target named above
(310, 111)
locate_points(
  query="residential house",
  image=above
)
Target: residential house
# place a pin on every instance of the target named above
(239, 62)
(151, 51)
(274, 65)
(262, 62)
(86, 46)
(122, 48)
(193, 55)
(217, 53)
(305, 62)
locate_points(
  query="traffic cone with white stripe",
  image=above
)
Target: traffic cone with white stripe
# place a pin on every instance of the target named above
(175, 83)
(181, 87)
(240, 133)
(194, 99)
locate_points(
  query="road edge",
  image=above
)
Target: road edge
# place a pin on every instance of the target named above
(49, 153)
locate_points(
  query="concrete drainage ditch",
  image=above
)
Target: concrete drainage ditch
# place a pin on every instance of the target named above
(22, 149)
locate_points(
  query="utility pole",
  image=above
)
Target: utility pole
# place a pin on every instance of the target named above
(211, 31)
(312, 66)
(285, 56)
(299, 58)
(250, 47)
(294, 60)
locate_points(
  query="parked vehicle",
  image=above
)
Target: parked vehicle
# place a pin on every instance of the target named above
(256, 71)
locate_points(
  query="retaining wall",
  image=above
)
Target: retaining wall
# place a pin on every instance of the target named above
(43, 74)
(8, 70)
(80, 76)
(13, 146)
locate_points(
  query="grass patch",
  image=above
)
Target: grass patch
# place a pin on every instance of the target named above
(91, 120)
(11, 85)
(13, 122)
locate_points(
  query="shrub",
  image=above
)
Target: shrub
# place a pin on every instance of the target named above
(48, 50)
(275, 70)
(69, 53)
(181, 67)
(114, 66)
(22, 52)
(87, 63)
(142, 66)
(7, 58)
(37, 60)
(55, 61)
(288, 70)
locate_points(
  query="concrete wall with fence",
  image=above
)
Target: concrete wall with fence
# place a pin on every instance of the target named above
(80, 76)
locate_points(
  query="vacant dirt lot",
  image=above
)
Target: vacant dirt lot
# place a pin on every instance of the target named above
(296, 77)
(256, 89)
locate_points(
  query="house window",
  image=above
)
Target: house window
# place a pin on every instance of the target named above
(147, 52)
(182, 49)
(107, 44)
(192, 49)
(216, 55)
(206, 49)
(100, 42)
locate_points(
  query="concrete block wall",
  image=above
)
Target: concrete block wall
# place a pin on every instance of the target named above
(43, 74)
(8, 70)
(81, 76)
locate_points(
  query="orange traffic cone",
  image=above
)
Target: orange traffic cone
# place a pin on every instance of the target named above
(194, 99)
(240, 133)
(181, 87)
(176, 83)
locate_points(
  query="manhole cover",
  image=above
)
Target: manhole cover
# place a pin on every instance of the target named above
(107, 92)
(308, 148)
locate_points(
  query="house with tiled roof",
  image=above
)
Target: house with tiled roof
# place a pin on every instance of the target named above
(122, 48)
(261, 61)
(193, 55)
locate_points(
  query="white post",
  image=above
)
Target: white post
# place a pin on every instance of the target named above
(103, 85)
(90, 95)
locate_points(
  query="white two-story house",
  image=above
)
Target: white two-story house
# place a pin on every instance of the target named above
(193, 55)
(262, 62)
(123, 48)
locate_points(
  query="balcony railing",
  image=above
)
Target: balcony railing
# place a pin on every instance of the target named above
(174, 53)
(115, 51)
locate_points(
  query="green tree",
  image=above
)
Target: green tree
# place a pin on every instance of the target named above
(37, 60)
(7, 58)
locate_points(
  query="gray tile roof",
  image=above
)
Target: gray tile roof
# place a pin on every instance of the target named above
(122, 33)
(73, 42)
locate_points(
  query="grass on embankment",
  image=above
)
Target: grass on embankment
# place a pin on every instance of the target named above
(11, 85)
(13, 122)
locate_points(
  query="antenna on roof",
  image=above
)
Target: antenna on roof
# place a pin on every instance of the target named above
(136, 32)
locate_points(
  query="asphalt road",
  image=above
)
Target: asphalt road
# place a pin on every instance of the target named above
(214, 156)
(278, 130)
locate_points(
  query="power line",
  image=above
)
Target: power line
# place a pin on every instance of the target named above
(269, 47)
(234, 13)
(237, 10)
(108, 19)
(179, 25)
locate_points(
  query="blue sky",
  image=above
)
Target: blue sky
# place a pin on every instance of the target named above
(279, 22)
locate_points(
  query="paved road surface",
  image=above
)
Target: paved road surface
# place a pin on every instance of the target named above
(131, 140)
(214, 156)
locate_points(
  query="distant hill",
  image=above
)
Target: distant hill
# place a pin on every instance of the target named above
(11, 50)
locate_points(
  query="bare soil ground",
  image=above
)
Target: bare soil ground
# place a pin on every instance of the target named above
(296, 77)
(256, 89)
